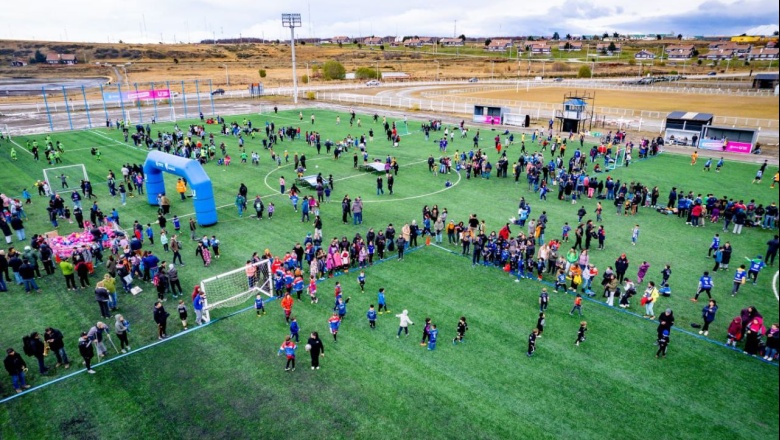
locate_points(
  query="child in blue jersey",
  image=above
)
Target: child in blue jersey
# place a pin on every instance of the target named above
(719, 165)
(334, 322)
(150, 233)
(705, 285)
(707, 164)
(756, 265)
(433, 334)
(288, 348)
(361, 279)
(381, 301)
(294, 329)
(371, 315)
(714, 246)
(540, 266)
(544, 300)
(520, 268)
(560, 281)
(426, 331)
(298, 285)
(739, 279)
(259, 305)
(341, 307)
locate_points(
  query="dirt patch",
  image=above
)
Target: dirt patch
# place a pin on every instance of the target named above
(719, 105)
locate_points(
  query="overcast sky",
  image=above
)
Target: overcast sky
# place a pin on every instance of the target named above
(151, 21)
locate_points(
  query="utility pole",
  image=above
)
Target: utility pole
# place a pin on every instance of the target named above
(292, 21)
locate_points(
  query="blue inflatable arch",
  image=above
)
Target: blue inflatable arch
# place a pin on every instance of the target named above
(198, 181)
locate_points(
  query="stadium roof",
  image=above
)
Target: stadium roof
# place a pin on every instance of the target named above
(690, 116)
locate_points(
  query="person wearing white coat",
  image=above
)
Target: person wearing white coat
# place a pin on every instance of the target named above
(404, 324)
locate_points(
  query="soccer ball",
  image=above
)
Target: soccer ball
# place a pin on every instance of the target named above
(308, 347)
(316, 166)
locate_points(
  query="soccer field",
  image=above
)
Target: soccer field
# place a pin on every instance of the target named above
(225, 379)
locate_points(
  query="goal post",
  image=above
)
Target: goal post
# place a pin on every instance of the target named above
(65, 178)
(236, 286)
(618, 160)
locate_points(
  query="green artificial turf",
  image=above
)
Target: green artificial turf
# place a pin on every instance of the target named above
(226, 380)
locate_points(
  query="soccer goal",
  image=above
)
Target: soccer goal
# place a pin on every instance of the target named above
(65, 178)
(232, 288)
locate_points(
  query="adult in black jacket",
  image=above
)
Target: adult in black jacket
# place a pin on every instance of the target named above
(102, 296)
(4, 266)
(317, 350)
(6, 230)
(27, 272)
(161, 318)
(726, 258)
(15, 366)
(771, 250)
(47, 259)
(18, 225)
(15, 263)
(87, 351)
(665, 322)
(56, 344)
(621, 266)
(37, 346)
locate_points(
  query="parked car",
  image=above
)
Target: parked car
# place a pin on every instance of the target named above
(373, 83)
(559, 79)
(473, 80)
(218, 92)
(713, 73)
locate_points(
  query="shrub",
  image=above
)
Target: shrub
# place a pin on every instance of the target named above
(262, 73)
(333, 70)
(311, 95)
(584, 72)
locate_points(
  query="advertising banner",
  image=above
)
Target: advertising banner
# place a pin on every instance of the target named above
(709, 144)
(142, 95)
(739, 147)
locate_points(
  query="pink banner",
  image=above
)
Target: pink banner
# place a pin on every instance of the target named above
(739, 147)
(148, 94)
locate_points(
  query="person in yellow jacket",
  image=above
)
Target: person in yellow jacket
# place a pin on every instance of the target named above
(69, 272)
(649, 298)
(110, 284)
(181, 188)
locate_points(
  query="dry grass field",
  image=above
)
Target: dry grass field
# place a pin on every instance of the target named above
(720, 105)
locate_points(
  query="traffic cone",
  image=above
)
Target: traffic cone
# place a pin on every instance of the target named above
(428, 240)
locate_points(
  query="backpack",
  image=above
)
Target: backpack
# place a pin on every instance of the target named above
(27, 345)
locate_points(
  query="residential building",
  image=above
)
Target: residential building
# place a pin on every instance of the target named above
(499, 45)
(570, 46)
(763, 53)
(18, 62)
(68, 59)
(644, 55)
(341, 39)
(605, 47)
(372, 41)
(539, 49)
(679, 52)
(451, 42)
(52, 58)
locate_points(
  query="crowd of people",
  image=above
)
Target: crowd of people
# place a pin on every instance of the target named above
(527, 253)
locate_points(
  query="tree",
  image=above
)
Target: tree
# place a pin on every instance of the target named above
(333, 70)
(360, 45)
(568, 36)
(612, 47)
(341, 44)
(584, 72)
(556, 36)
(567, 46)
(262, 73)
(695, 52)
(658, 37)
(605, 35)
(615, 35)
(463, 37)
(39, 57)
(381, 47)
(487, 42)
(775, 33)
(367, 73)
(679, 37)
(305, 79)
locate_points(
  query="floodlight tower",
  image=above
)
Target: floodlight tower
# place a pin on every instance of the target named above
(292, 21)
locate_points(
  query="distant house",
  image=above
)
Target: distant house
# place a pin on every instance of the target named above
(772, 44)
(605, 47)
(570, 46)
(680, 52)
(498, 45)
(644, 55)
(719, 54)
(764, 54)
(413, 42)
(372, 41)
(539, 49)
(451, 42)
(18, 62)
(341, 39)
(428, 41)
(68, 59)
(52, 58)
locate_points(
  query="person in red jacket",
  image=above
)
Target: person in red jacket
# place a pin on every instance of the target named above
(696, 215)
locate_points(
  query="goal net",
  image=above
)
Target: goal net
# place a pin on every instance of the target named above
(617, 160)
(233, 288)
(65, 178)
